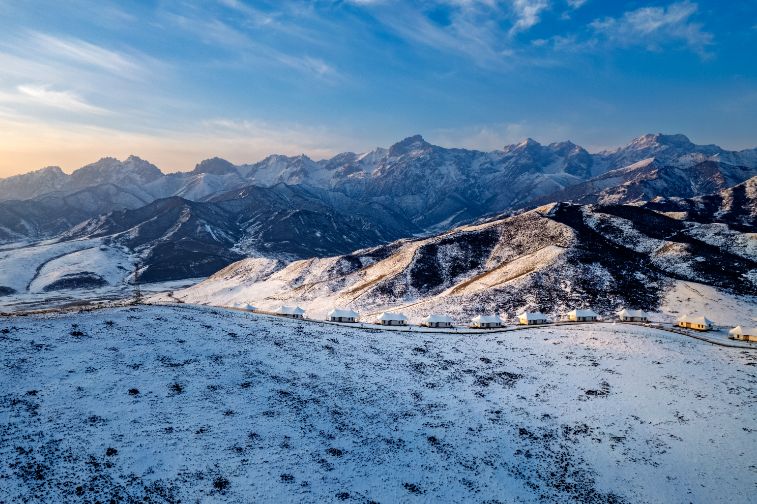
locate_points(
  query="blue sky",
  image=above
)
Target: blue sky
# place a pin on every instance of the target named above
(175, 82)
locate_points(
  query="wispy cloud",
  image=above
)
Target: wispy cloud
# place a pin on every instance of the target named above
(575, 4)
(84, 52)
(313, 66)
(65, 100)
(258, 17)
(655, 26)
(528, 13)
(220, 34)
(472, 29)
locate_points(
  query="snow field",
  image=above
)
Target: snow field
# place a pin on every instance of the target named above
(204, 405)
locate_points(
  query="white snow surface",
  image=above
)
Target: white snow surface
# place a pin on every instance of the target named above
(203, 405)
(20, 267)
(724, 309)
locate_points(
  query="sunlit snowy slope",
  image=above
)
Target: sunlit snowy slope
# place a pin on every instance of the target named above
(165, 404)
(553, 259)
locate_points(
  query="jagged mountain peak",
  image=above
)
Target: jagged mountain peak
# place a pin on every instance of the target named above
(214, 166)
(134, 159)
(338, 161)
(302, 157)
(410, 144)
(668, 145)
(109, 170)
(677, 140)
(529, 142)
(528, 145)
(563, 145)
(29, 185)
(48, 169)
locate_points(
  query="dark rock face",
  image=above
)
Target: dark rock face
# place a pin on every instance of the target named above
(577, 162)
(6, 291)
(83, 280)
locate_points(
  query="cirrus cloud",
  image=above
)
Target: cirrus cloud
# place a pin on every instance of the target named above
(65, 100)
(656, 26)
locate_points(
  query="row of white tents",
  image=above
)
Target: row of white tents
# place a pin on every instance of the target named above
(437, 321)
(696, 322)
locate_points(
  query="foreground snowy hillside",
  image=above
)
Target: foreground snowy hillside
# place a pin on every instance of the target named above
(167, 404)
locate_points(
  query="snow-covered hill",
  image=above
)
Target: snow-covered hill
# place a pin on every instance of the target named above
(553, 259)
(159, 404)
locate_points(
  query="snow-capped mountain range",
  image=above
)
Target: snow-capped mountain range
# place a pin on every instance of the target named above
(86, 229)
(435, 187)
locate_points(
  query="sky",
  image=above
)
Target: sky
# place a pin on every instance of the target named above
(176, 82)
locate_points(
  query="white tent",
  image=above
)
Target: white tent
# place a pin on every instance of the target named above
(249, 307)
(387, 318)
(583, 316)
(744, 333)
(289, 311)
(633, 316)
(697, 322)
(438, 321)
(342, 316)
(487, 322)
(527, 318)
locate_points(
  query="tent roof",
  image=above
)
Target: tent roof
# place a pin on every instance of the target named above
(392, 316)
(290, 310)
(484, 319)
(633, 313)
(583, 313)
(343, 313)
(438, 318)
(532, 316)
(249, 307)
(749, 331)
(693, 319)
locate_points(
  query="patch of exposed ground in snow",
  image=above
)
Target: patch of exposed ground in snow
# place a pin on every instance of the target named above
(201, 405)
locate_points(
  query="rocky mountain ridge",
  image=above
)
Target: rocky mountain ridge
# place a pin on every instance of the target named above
(554, 258)
(651, 178)
(436, 187)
